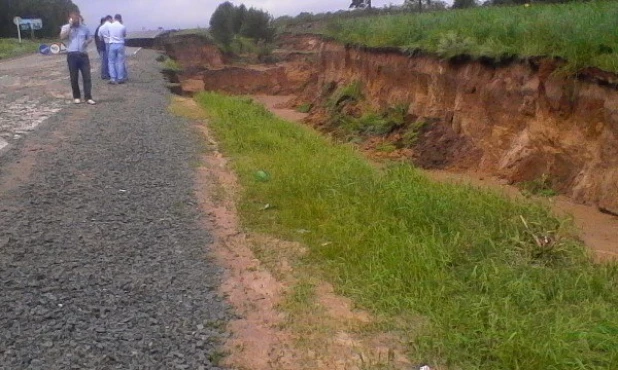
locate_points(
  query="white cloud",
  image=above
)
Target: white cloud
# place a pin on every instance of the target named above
(150, 14)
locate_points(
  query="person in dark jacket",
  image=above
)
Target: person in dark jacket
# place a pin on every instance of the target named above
(102, 48)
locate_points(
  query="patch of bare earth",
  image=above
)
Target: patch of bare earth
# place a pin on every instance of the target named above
(273, 330)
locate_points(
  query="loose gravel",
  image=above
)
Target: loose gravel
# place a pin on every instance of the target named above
(103, 254)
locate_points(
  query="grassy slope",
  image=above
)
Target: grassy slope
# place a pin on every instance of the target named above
(457, 266)
(583, 33)
(11, 47)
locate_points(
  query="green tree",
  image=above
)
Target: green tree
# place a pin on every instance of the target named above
(228, 21)
(460, 4)
(222, 23)
(418, 5)
(53, 13)
(365, 4)
(240, 14)
(257, 24)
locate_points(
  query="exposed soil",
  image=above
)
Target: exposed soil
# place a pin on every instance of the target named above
(512, 123)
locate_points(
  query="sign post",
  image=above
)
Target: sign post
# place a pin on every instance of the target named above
(33, 24)
(17, 21)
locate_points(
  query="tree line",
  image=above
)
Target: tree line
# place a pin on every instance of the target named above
(53, 13)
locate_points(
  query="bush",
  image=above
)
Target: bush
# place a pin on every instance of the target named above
(229, 21)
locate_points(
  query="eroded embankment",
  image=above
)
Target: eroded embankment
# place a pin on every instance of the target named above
(522, 121)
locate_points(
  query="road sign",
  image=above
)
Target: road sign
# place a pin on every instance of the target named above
(30, 24)
(27, 24)
(44, 49)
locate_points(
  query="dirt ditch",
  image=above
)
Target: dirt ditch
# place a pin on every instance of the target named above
(517, 123)
(491, 126)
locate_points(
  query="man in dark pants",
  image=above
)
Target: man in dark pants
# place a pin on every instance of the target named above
(102, 48)
(77, 56)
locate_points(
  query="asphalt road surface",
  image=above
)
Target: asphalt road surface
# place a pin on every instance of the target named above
(103, 251)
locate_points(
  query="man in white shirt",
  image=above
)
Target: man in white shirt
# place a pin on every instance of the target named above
(115, 34)
(103, 46)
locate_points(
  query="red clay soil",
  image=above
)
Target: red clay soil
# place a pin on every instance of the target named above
(516, 122)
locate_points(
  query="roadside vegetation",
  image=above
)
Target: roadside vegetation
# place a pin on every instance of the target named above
(10, 48)
(582, 33)
(240, 30)
(473, 280)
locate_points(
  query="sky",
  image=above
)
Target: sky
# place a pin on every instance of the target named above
(169, 14)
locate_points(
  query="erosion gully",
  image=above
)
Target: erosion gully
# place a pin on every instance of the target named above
(490, 124)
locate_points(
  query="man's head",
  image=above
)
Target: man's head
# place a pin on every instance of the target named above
(109, 18)
(75, 19)
(118, 18)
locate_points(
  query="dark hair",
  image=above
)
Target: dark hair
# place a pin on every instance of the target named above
(103, 20)
(76, 15)
(109, 18)
(118, 17)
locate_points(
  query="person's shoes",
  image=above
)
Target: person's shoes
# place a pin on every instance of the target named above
(112, 82)
(105, 78)
(76, 101)
(121, 82)
(91, 102)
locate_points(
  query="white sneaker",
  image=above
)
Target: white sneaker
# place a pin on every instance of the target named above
(91, 102)
(77, 101)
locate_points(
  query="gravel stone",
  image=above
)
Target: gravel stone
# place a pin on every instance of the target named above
(103, 257)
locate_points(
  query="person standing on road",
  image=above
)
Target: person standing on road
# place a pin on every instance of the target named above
(116, 33)
(102, 47)
(77, 56)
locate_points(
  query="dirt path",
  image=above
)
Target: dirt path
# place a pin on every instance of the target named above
(598, 230)
(103, 250)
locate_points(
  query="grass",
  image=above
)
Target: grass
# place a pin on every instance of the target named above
(193, 32)
(583, 33)
(477, 280)
(541, 186)
(171, 65)
(10, 48)
(305, 108)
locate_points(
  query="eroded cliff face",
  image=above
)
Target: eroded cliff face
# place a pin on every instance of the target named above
(524, 120)
(520, 121)
(193, 52)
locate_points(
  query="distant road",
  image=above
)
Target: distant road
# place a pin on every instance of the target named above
(34, 88)
(145, 34)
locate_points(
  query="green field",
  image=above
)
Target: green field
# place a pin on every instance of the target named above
(583, 33)
(473, 280)
(11, 47)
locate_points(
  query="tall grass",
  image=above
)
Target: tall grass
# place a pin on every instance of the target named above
(480, 281)
(11, 48)
(583, 33)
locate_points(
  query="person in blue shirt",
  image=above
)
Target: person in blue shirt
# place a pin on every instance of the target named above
(77, 56)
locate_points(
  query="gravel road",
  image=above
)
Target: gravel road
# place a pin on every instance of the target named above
(103, 255)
